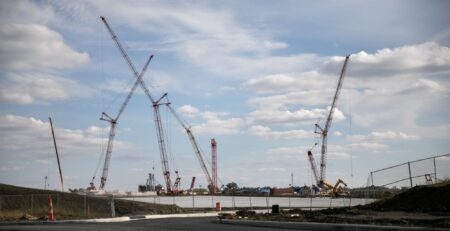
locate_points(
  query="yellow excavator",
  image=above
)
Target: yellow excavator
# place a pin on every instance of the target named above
(332, 190)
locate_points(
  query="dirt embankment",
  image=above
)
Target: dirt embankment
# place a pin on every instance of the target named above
(28, 203)
(432, 198)
(424, 206)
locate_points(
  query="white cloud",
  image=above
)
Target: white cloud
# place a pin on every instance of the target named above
(335, 152)
(292, 82)
(25, 12)
(32, 137)
(205, 37)
(427, 57)
(36, 47)
(29, 88)
(369, 146)
(214, 123)
(189, 110)
(287, 117)
(267, 133)
(382, 136)
(337, 133)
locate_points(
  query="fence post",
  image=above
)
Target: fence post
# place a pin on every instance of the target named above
(31, 210)
(250, 198)
(113, 209)
(435, 173)
(410, 178)
(132, 208)
(289, 202)
(371, 177)
(193, 202)
(85, 202)
(310, 203)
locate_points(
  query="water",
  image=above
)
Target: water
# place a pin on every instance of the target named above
(245, 201)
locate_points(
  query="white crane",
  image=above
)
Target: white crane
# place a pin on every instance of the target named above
(195, 146)
(155, 104)
(323, 132)
(112, 130)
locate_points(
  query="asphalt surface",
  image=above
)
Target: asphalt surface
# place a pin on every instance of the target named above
(149, 224)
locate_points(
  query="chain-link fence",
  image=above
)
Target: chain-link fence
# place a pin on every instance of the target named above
(419, 172)
(36, 206)
(253, 202)
(75, 206)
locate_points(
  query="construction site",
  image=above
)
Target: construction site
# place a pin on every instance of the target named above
(171, 182)
(406, 191)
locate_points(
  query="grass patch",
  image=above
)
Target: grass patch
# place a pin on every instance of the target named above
(17, 202)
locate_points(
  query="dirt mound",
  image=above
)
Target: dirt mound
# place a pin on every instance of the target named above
(434, 198)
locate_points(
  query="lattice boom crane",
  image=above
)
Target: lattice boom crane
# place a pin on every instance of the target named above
(155, 104)
(320, 179)
(112, 130)
(194, 146)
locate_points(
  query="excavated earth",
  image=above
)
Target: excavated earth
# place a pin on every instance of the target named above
(421, 206)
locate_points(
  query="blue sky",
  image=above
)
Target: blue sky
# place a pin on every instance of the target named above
(255, 75)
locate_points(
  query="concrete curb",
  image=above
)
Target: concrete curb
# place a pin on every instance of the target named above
(115, 219)
(320, 226)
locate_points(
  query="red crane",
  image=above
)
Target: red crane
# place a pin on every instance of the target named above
(214, 165)
(155, 105)
(320, 179)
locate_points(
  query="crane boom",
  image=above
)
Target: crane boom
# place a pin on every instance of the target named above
(113, 122)
(157, 116)
(313, 167)
(324, 131)
(194, 146)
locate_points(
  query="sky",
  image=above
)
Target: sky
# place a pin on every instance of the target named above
(254, 75)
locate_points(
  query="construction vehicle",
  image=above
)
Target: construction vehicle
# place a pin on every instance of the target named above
(112, 131)
(155, 104)
(323, 132)
(195, 146)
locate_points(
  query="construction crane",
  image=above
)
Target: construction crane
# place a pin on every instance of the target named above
(155, 104)
(323, 132)
(112, 130)
(214, 165)
(57, 155)
(194, 146)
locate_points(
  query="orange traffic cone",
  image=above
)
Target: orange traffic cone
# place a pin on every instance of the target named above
(50, 213)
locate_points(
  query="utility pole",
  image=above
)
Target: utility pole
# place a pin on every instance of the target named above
(57, 155)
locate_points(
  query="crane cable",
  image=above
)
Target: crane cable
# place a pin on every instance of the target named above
(350, 129)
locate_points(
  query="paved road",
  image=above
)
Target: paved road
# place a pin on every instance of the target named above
(151, 224)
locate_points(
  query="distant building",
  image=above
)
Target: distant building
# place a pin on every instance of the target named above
(282, 191)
